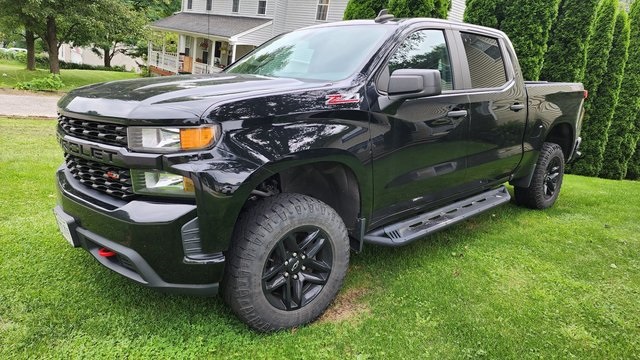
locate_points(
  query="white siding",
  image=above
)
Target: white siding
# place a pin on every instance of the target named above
(256, 37)
(247, 8)
(198, 6)
(301, 13)
(457, 10)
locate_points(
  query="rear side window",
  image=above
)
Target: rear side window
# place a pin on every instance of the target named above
(486, 65)
(424, 49)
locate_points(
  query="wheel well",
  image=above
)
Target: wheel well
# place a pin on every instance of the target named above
(562, 134)
(332, 183)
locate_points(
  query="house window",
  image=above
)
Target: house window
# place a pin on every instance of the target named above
(209, 5)
(189, 4)
(235, 6)
(323, 9)
(262, 7)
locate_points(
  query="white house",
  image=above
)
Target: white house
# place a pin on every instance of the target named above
(214, 33)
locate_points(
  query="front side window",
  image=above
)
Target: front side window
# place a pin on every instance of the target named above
(311, 54)
(323, 9)
(424, 49)
(486, 65)
(235, 6)
(262, 7)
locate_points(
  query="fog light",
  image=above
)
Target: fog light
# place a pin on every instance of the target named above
(161, 183)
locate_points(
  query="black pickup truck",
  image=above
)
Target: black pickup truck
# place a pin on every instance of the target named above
(259, 181)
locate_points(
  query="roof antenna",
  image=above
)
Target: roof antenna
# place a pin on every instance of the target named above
(384, 16)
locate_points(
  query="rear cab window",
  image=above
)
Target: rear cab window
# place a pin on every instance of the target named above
(485, 61)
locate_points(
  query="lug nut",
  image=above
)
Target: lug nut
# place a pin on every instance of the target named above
(294, 254)
(304, 268)
(286, 263)
(285, 274)
(295, 277)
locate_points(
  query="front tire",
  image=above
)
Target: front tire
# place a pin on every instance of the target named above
(547, 178)
(288, 259)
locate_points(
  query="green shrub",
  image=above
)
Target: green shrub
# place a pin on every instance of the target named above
(624, 127)
(49, 83)
(420, 8)
(364, 9)
(526, 22)
(598, 120)
(566, 55)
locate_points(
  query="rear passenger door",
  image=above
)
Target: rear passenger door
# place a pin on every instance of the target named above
(497, 108)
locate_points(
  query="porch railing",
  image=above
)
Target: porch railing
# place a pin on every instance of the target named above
(171, 62)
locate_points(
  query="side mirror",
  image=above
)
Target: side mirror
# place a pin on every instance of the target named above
(412, 83)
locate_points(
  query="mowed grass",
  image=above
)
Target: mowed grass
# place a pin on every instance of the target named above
(12, 72)
(512, 283)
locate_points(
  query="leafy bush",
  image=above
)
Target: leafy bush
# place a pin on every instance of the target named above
(597, 121)
(420, 8)
(364, 9)
(566, 55)
(49, 83)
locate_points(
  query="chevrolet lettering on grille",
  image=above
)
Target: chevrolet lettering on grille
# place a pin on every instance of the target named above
(102, 155)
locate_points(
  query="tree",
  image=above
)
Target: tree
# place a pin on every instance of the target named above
(420, 8)
(597, 120)
(117, 30)
(566, 55)
(526, 22)
(484, 12)
(16, 20)
(625, 128)
(364, 9)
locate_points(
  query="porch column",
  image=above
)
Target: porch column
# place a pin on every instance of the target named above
(212, 50)
(162, 66)
(233, 54)
(193, 56)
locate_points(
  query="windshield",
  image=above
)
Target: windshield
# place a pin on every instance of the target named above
(331, 53)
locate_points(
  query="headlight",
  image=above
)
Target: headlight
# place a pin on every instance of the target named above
(171, 139)
(161, 183)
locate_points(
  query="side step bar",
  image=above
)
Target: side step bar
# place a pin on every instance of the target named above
(406, 231)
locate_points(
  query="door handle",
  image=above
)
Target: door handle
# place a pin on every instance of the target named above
(457, 113)
(517, 107)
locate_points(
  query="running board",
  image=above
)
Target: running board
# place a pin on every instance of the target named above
(406, 231)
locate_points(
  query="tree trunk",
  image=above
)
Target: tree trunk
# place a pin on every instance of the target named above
(52, 44)
(107, 56)
(31, 50)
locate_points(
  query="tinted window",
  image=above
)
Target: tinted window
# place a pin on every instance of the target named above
(486, 65)
(424, 49)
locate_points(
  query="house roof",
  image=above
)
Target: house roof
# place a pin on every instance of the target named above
(216, 25)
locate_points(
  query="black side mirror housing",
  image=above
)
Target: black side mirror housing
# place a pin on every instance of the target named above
(412, 83)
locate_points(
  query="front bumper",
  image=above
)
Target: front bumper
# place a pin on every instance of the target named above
(152, 240)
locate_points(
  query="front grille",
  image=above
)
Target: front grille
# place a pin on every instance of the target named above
(112, 180)
(104, 133)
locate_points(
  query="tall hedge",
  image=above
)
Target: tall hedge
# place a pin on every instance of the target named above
(598, 120)
(484, 12)
(364, 9)
(625, 126)
(566, 55)
(527, 22)
(420, 8)
(633, 168)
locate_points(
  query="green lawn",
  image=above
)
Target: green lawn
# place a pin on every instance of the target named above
(16, 72)
(513, 283)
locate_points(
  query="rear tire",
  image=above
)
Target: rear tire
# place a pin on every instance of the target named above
(547, 178)
(288, 259)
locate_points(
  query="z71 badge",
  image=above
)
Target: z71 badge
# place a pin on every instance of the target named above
(339, 99)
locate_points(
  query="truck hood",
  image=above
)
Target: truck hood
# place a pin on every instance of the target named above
(174, 98)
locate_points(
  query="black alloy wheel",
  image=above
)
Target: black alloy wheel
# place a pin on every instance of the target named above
(297, 268)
